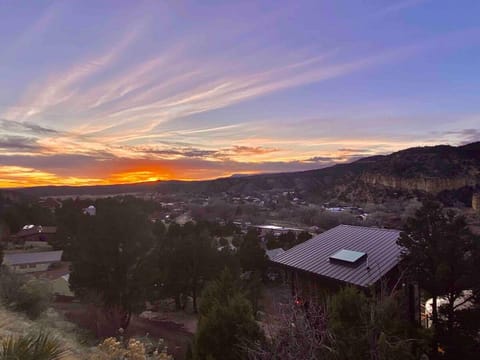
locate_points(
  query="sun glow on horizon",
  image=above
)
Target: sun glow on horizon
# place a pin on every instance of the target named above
(20, 177)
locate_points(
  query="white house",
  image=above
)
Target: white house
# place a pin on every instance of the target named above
(28, 262)
(90, 210)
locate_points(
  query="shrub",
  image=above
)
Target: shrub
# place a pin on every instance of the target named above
(40, 346)
(345, 325)
(226, 322)
(113, 349)
(17, 293)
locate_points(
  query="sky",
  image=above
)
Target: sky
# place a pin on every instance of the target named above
(103, 92)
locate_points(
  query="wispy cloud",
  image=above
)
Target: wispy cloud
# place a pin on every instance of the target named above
(359, 151)
(464, 136)
(17, 126)
(59, 88)
(145, 110)
(17, 143)
(139, 99)
(399, 5)
(33, 31)
(188, 98)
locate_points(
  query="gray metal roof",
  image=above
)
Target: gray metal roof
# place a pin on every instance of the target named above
(274, 253)
(313, 255)
(32, 257)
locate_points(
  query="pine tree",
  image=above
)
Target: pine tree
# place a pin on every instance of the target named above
(252, 256)
(226, 322)
(440, 251)
(111, 258)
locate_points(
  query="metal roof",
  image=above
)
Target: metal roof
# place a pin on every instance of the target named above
(313, 255)
(37, 230)
(32, 257)
(274, 253)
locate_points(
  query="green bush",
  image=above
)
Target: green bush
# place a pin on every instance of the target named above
(40, 346)
(226, 322)
(18, 293)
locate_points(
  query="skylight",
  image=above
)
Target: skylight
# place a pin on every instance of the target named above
(348, 256)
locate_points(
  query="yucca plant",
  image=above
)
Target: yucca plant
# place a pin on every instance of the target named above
(41, 346)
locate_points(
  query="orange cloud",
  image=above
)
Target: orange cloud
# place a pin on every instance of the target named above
(18, 176)
(135, 176)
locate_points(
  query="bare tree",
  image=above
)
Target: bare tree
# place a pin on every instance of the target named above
(298, 332)
(347, 325)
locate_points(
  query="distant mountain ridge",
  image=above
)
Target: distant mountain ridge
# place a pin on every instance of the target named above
(434, 170)
(430, 169)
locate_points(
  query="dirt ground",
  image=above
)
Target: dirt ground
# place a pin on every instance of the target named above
(175, 329)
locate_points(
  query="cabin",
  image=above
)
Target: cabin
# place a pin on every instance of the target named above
(276, 230)
(365, 257)
(30, 262)
(34, 235)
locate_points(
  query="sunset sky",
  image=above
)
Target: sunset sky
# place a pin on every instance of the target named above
(100, 92)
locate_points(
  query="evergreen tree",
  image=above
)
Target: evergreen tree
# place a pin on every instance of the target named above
(287, 239)
(199, 261)
(303, 236)
(440, 252)
(111, 258)
(70, 222)
(26, 212)
(348, 326)
(252, 256)
(370, 327)
(186, 260)
(226, 322)
(271, 241)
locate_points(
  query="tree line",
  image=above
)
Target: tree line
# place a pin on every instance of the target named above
(120, 259)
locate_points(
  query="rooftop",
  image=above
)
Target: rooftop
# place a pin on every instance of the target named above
(274, 253)
(377, 246)
(36, 229)
(32, 257)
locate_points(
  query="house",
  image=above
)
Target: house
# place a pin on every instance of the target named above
(364, 257)
(35, 235)
(277, 230)
(29, 262)
(90, 210)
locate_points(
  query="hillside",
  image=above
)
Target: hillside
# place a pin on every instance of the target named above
(15, 324)
(438, 170)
